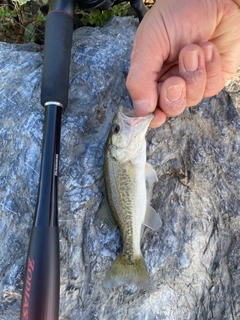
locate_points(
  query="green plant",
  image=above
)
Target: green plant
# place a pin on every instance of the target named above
(19, 20)
(99, 17)
(22, 21)
(7, 19)
(34, 26)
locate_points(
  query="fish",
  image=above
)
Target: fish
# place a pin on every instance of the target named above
(129, 181)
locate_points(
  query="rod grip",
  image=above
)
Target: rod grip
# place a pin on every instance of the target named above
(57, 54)
(41, 287)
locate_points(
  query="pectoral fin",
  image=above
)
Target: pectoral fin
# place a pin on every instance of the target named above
(151, 178)
(104, 216)
(152, 219)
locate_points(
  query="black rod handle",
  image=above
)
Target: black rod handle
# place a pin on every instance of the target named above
(57, 53)
(41, 291)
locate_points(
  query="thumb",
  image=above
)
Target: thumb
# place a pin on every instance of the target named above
(142, 87)
(146, 63)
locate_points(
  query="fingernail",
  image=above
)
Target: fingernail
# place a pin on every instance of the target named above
(141, 107)
(208, 53)
(174, 93)
(190, 60)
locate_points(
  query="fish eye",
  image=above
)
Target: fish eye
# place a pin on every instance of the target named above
(115, 128)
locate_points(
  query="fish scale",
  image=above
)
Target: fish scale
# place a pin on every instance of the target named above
(122, 206)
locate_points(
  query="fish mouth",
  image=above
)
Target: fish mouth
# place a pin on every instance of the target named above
(135, 128)
(127, 113)
(129, 116)
(136, 125)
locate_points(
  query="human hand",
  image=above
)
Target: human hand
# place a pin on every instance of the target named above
(184, 50)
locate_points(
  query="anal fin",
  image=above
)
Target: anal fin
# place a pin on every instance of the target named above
(152, 219)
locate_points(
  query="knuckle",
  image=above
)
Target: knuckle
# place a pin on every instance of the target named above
(194, 78)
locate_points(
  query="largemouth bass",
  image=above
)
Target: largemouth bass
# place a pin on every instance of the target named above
(127, 176)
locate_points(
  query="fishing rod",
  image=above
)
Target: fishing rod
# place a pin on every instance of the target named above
(40, 297)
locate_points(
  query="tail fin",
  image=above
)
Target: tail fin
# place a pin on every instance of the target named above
(124, 272)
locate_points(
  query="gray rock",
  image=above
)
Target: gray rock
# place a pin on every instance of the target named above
(193, 259)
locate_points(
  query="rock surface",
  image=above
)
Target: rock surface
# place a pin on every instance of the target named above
(193, 259)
